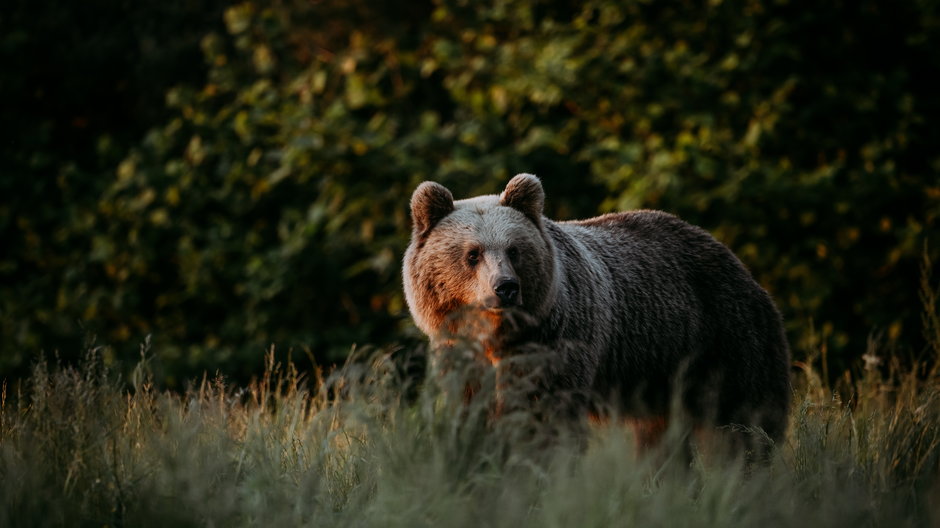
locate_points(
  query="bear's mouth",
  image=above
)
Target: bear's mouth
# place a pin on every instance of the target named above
(496, 305)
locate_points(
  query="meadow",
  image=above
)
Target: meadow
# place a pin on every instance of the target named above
(219, 176)
(365, 445)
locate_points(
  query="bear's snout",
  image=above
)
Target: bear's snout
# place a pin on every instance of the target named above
(507, 289)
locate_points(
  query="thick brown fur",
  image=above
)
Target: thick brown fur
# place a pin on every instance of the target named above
(639, 309)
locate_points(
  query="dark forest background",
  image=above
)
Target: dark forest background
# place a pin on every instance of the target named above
(224, 177)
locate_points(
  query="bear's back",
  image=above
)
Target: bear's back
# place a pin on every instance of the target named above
(658, 247)
(680, 295)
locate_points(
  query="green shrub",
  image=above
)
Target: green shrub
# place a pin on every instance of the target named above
(268, 202)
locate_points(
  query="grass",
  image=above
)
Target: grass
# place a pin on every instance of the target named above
(360, 447)
(364, 446)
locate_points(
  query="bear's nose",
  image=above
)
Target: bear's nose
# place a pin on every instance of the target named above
(508, 291)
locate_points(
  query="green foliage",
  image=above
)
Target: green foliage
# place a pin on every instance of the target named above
(79, 447)
(82, 82)
(268, 201)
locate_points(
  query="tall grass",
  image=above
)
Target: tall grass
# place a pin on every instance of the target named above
(364, 446)
(360, 447)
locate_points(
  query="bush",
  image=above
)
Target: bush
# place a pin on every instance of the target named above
(270, 206)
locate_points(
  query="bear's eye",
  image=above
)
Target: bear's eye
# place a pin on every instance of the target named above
(473, 257)
(512, 253)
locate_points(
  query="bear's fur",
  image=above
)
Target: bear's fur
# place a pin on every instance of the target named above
(631, 305)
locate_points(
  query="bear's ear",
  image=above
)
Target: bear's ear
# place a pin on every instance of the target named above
(524, 193)
(430, 203)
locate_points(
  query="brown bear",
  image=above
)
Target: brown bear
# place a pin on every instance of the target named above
(640, 309)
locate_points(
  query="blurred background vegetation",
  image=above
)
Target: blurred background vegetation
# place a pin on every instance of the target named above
(227, 176)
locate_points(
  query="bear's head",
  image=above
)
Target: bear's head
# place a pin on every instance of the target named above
(479, 260)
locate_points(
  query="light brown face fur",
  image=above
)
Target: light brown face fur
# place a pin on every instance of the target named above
(452, 268)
